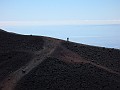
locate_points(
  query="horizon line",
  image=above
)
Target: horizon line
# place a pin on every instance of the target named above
(59, 22)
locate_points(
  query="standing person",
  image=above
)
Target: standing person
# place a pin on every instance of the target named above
(67, 39)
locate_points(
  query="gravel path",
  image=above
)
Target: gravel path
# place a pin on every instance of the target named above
(10, 82)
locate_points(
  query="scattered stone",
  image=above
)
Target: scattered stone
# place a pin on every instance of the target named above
(23, 71)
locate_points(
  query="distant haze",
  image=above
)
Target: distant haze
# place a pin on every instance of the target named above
(98, 35)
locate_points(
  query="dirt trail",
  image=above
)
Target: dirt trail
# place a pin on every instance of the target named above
(69, 56)
(49, 46)
(52, 48)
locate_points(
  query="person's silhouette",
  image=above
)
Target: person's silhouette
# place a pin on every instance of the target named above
(67, 39)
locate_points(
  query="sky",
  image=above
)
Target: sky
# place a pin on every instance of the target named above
(55, 10)
(63, 18)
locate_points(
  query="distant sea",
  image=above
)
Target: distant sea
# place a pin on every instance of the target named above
(97, 35)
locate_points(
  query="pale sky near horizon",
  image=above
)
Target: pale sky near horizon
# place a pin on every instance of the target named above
(55, 10)
(62, 18)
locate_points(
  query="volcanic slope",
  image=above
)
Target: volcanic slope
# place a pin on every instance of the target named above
(30, 62)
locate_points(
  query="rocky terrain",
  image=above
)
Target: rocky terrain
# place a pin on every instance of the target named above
(30, 62)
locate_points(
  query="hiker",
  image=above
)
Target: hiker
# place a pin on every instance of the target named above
(67, 39)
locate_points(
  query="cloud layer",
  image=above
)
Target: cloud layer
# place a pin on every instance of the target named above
(58, 22)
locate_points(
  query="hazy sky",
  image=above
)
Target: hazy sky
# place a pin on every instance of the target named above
(52, 11)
